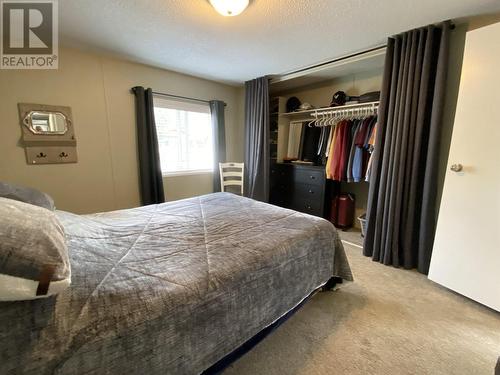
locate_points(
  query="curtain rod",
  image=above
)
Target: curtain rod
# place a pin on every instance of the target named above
(339, 59)
(182, 97)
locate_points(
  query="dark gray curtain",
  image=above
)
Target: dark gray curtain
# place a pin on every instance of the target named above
(150, 176)
(402, 203)
(257, 139)
(217, 108)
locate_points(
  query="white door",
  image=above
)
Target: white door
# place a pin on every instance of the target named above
(466, 255)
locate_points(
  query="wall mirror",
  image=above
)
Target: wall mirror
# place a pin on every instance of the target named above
(45, 122)
(48, 133)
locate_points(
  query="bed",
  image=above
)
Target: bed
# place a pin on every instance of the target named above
(170, 288)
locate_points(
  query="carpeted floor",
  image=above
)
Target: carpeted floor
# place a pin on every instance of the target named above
(351, 236)
(389, 321)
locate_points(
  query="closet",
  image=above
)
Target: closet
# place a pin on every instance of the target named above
(301, 137)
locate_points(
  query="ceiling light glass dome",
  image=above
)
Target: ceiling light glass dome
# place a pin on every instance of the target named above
(229, 7)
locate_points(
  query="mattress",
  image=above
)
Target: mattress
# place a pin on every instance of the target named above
(170, 288)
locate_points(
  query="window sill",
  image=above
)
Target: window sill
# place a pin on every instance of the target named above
(187, 173)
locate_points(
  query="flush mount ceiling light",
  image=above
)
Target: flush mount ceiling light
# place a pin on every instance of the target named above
(229, 7)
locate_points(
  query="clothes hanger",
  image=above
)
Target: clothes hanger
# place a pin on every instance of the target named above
(319, 119)
(324, 120)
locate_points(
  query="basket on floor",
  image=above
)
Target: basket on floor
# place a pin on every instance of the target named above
(362, 221)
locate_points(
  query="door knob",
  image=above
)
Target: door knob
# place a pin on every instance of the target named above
(457, 167)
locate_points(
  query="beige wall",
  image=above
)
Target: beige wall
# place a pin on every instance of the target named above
(321, 95)
(97, 88)
(179, 187)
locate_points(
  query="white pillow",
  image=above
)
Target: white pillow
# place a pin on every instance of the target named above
(18, 289)
(34, 260)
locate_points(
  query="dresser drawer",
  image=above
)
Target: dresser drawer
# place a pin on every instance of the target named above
(281, 200)
(281, 183)
(308, 191)
(280, 175)
(309, 176)
(310, 206)
(281, 187)
(280, 195)
(301, 188)
(278, 172)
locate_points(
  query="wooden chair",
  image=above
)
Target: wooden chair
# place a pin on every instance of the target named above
(231, 174)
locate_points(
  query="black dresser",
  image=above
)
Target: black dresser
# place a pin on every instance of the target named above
(299, 187)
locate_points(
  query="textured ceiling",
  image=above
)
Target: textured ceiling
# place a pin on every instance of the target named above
(270, 37)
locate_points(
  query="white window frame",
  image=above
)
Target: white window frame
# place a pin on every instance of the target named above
(183, 105)
(191, 172)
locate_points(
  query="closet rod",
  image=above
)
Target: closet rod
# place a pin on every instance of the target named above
(351, 108)
(323, 116)
(182, 97)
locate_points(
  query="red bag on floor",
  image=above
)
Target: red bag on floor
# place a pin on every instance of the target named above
(342, 213)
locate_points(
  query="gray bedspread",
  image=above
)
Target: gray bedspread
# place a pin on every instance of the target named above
(170, 288)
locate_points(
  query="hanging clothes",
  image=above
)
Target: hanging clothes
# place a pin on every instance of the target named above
(349, 149)
(330, 134)
(310, 143)
(331, 151)
(357, 165)
(323, 144)
(340, 148)
(356, 127)
(371, 147)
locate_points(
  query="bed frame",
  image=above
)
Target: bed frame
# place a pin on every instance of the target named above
(225, 362)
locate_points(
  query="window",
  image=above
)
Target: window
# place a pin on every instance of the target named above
(185, 136)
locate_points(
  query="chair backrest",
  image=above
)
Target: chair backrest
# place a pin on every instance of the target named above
(231, 174)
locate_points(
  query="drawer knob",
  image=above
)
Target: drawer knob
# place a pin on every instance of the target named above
(312, 177)
(308, 207)
(311, 191)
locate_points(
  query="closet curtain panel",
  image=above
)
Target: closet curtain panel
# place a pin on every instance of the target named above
(150, 176)
(257, 139)
(402, 213)
(217, 108)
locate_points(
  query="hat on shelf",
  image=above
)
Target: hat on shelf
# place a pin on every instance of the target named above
(304, 107)
(292, 104)
(341, 98)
